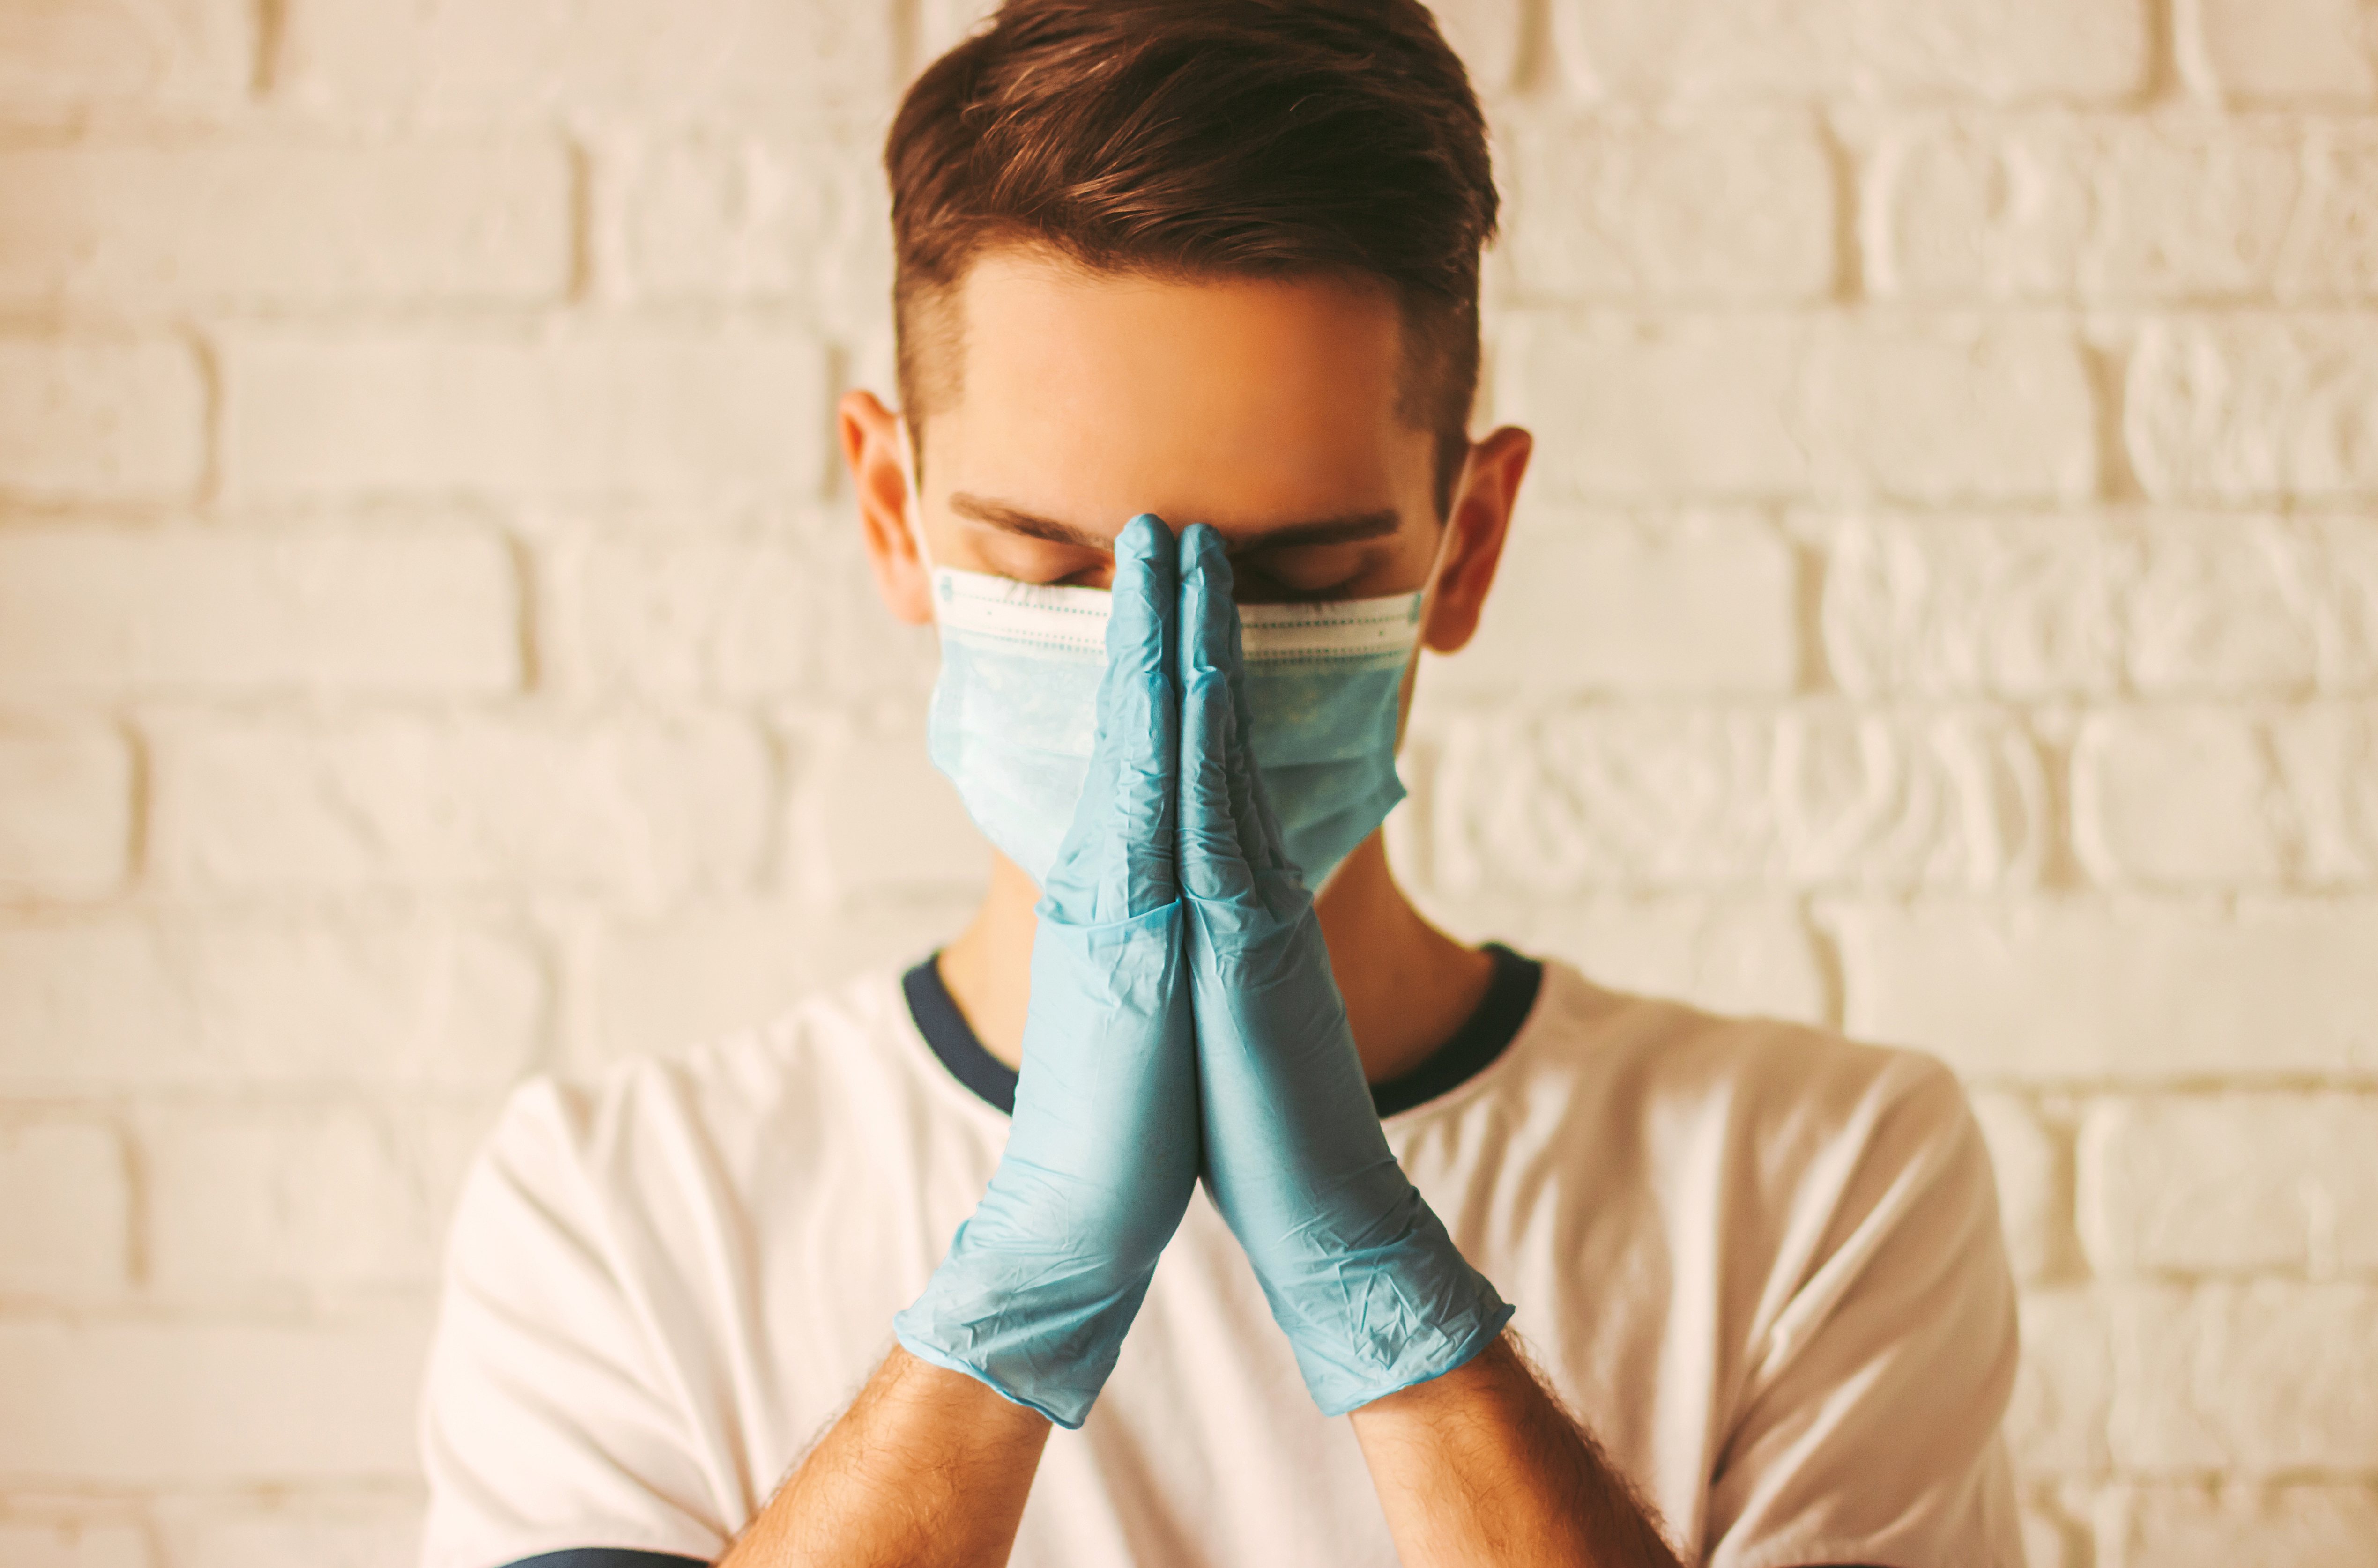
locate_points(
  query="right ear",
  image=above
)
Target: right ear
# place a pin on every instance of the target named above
(870, 445)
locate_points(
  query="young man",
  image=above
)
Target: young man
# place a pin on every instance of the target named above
(1200, 1137)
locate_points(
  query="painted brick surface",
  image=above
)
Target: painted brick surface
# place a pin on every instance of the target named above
(1705, 48)
(385, 999)
(435, 648)
(2261, 1378)
(66, 812)
(640, 807)
(2276, 50)
(2255, 408)
(208, 1403)
(2178, 1526)
(280, 221)
(2072, 990)
(1734, 207)
(633, 410)
(88, 610)
(2200, 1184)
(65, 1229)
(65, 57)
(1563, 800)
(100, 420)
(1784, 409)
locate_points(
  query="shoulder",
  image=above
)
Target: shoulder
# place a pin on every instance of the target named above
(1805, 1132)
(1782, 1082)
(704, 1124)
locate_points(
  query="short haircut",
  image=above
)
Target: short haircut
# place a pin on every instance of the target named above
(1197, 138)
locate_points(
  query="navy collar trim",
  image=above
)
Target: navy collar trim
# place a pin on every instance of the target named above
(1511, 996)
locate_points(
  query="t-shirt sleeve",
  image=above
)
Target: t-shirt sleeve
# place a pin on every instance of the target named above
(548, 1419)
(1867, 1431)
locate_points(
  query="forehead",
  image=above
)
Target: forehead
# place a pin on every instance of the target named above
(1207, 398)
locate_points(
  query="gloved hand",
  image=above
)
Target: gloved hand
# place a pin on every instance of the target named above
(1042, 1282)
(1359, 1271)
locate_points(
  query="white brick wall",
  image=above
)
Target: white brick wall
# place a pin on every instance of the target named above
(433, 649)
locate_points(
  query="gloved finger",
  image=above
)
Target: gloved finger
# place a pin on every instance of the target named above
(1221, 848)
(1118, 861)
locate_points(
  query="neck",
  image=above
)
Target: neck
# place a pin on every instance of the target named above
(1407, 986)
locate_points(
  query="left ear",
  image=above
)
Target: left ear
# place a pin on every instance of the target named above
(1480, 519)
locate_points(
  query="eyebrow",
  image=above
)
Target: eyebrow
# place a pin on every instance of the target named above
(1345, 529)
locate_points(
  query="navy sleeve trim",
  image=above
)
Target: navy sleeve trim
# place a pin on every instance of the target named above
(606, 1557)
(1511, 996)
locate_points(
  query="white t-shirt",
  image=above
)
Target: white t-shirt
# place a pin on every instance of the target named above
(1761, 1263)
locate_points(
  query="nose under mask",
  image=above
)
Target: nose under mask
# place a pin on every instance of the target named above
(1014, 710)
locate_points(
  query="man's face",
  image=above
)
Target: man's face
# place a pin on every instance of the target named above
(1264, 408)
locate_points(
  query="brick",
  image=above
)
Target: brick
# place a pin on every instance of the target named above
(2191, 797)
(2179, 1525)
(2035, 606)
(1747, 956)
(2257, 1379)
(73, 1543)
(1724, 208)
(2252, 408)
(90, 420)
(2275, 50)
(65, 1229)
(1989, 49)
(484, 59)
(2007, 607)
(798, 215)
(2117, 208)
(95, 610)
(643, 807)
(682, 616)
(941, 24)
(875, 816)
(2232, 1184)
(2097, 206)
(1491, 37)
(205, 1404)
(2232, 605)
(265, 1201)
(2064, 1389)
(62, 55)
(2075, 990)
(1585, 603)
(299, 1534)
(2035, 1180)
(223, 1000)
(65, 812)
(1581, 797)
(665, 982)
(868, 654)
(214, 220)
(2348, 559)
(1757, 407)
(587, 412)
(2047, 1540)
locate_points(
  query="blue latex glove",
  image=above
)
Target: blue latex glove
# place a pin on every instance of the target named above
(1359, 1271)
(1042, 1282)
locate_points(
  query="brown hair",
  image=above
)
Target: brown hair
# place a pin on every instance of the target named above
(1197, 137)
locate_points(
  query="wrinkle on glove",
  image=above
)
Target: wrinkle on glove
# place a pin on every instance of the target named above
(1360, 1273)
(1042, 1282)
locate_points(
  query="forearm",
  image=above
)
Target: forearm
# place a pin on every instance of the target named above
(1482, 1465)
(928, 1467)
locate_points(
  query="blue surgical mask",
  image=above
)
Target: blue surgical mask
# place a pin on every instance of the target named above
(1014, 710)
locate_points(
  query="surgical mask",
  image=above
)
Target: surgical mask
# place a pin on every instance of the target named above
(1014, 710)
